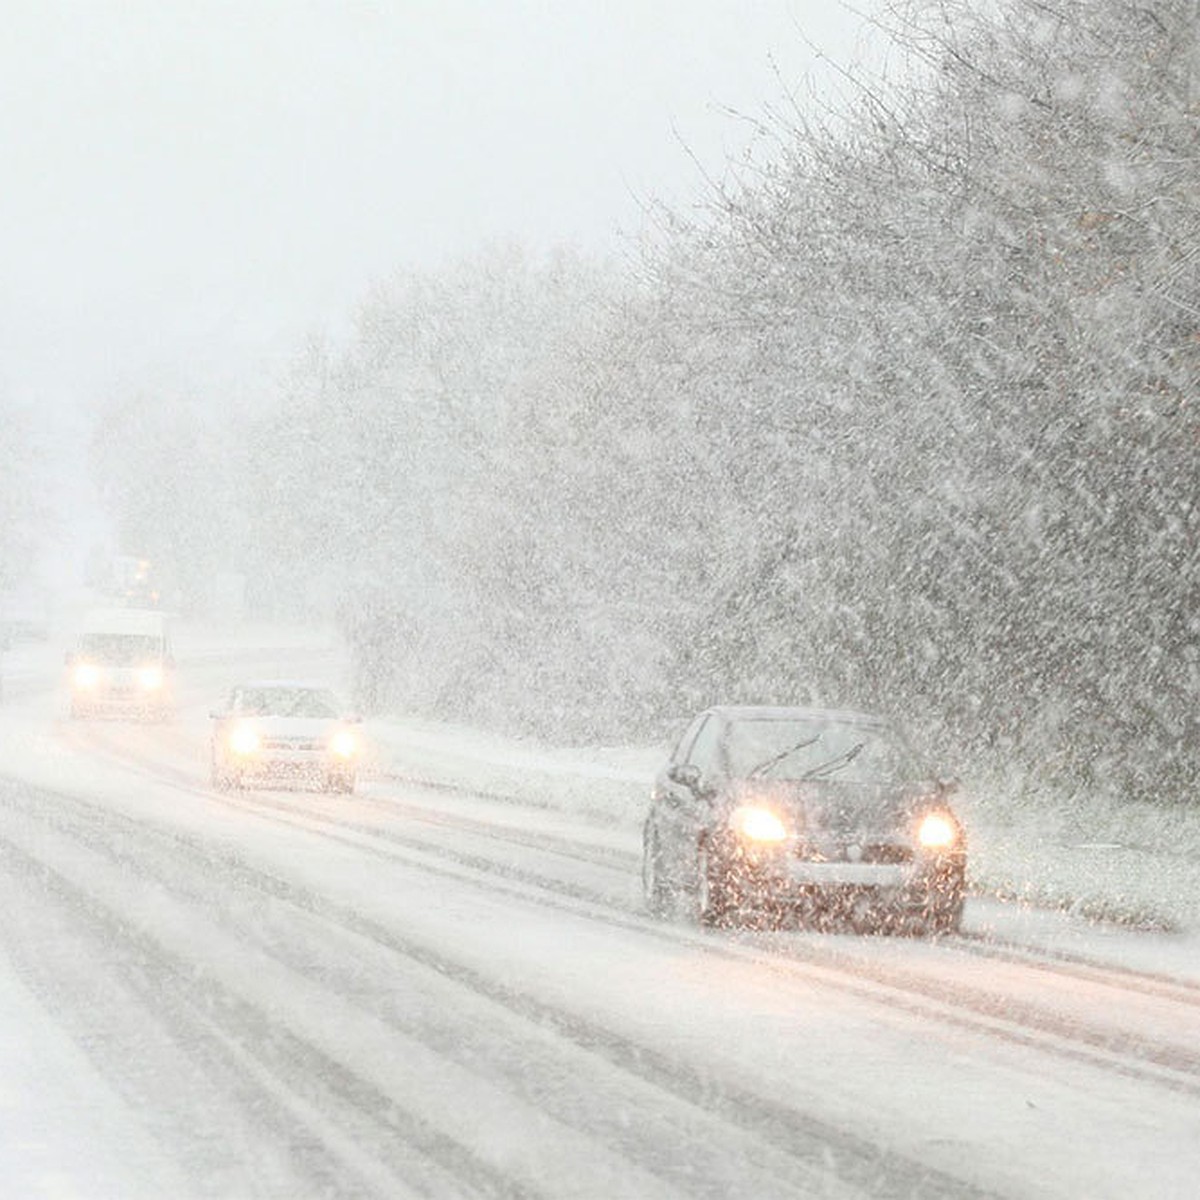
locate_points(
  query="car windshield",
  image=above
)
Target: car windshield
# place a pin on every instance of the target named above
(288, 702)
(120, 649)
(790, 748)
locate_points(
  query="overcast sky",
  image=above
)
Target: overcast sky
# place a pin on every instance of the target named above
(190, 186)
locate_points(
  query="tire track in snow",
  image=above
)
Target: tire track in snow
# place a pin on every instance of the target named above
(1130, 1053)
(810, 1144)
(1126, 1051)
(332, 1131)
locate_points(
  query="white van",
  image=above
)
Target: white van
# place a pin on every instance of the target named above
(122, 665)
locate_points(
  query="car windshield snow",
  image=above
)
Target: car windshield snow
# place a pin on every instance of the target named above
(120, 649)
(288, 702)
(794, 750)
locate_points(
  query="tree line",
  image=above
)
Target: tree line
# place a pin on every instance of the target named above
(904, 418)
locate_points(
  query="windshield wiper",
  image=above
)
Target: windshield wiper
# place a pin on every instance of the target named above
(835, 764)
(763, 767)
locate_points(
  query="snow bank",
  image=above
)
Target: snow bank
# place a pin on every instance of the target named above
(1136, 864)
(610, 785)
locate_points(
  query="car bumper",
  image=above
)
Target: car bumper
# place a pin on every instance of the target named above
(915, 886)
(120, 704)
(837, 874)
(291, 768)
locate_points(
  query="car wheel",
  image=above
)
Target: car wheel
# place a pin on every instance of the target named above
(655, 891)
(713, 900)
(218, 775)
(946, 917)
(221, 780)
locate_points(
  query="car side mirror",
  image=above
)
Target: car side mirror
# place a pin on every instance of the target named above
(686, 775)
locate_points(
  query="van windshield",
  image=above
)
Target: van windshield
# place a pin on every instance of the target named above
(120, 649)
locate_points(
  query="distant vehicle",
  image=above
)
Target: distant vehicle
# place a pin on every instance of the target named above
(279, 732)
(122, 666)
(135, 582)
(23, 625)
(25, 613)
(763, 814)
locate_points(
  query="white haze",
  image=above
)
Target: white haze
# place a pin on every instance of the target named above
(190, 189)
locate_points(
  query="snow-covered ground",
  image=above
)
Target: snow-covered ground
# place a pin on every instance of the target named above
(1131, 863)
(1136, 865)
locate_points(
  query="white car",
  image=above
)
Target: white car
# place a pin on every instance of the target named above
(280, 733)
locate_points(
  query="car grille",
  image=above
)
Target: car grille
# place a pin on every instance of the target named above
(886, 852)
(291, 744)
(891, 853)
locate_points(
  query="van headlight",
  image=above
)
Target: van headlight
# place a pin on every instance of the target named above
(343, 743)
(150, 678)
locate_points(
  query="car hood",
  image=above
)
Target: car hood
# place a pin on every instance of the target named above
(826, 807)
(296, 727)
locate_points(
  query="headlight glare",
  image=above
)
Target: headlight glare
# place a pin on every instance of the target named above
(937, 831)
(244, 739)
(343, 744)
(757, 824)
(86, 676)
(150, 678)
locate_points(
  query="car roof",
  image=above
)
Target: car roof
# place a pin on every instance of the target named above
(121, 621)
(784, 712)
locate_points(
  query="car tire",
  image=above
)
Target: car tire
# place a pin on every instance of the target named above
(655, 892)
(713, 903)
(220, 779)
(946, 917)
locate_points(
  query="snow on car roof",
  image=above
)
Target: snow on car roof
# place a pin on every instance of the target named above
(783, 712)
(125, 620)
(299, 685)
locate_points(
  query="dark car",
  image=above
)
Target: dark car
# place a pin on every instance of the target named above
(765, 814)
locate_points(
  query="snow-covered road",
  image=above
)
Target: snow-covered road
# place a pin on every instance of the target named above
(428, 990)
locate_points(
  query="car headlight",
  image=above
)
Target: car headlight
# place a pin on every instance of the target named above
(757, 824)
(150, 678)
(244, 739)
(343, 744)
(86, 676)
(937, 831)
